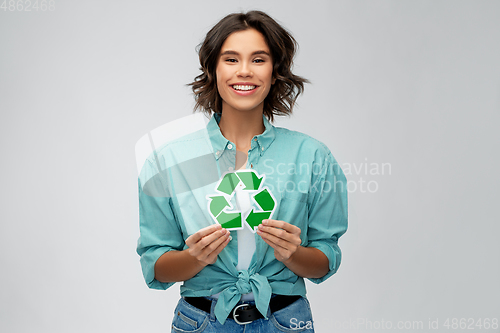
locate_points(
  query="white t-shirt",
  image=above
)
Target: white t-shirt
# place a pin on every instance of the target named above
(246, 238)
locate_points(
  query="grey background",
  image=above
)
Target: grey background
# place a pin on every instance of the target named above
(414, 84)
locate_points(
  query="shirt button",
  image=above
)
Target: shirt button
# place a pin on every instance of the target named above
(251, 165)
(229, 146)
(255, 139)
(262, 148)
(231, 168)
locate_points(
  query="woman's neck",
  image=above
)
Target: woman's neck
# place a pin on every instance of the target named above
(240, 127)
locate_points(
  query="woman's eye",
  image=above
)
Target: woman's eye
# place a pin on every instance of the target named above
(231, 60)
(259, 60)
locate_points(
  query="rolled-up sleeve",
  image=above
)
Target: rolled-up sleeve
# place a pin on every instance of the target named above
(159, 233)
(327, 212)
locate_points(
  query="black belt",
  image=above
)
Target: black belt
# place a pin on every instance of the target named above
(245, 313)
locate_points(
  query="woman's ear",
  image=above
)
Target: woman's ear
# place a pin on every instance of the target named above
(273, 81)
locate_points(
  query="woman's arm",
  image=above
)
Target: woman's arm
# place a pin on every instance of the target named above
(308, 262)
(204, 247)
(284, 238)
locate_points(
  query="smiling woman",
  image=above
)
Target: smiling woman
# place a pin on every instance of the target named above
(250, 279)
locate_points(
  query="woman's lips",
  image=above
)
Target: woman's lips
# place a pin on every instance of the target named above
(244, 89)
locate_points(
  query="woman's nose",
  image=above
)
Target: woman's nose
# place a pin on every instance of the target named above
(244, 70)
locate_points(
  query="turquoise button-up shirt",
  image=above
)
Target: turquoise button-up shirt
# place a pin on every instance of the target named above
(301, 173)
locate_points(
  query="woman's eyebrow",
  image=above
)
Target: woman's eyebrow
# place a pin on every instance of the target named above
(236, 53)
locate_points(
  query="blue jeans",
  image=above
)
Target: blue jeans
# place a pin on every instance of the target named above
(296, 317)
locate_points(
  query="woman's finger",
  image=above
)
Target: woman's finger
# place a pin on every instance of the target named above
(209, 239)
(202, 233)
(220, 244)
(204, 248)
(282, 225)
(280, 253)
(278, 241)
(281, 234)
(212, 246)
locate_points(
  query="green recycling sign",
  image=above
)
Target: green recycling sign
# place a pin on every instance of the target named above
(219, 204)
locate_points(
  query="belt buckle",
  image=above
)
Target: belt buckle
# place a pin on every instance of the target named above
(236, 315)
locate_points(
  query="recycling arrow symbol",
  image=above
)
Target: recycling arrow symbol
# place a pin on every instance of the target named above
(232, 219)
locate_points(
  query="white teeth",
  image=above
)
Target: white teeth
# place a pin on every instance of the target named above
(242, 87)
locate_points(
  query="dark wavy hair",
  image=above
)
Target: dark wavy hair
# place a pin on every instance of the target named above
(284, 91)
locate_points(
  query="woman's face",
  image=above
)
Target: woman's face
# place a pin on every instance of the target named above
(244, 71)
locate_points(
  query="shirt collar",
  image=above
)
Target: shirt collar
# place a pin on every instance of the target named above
(220, 143)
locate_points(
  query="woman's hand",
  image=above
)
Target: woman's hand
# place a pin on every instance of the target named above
(206, 244)
(283, 237)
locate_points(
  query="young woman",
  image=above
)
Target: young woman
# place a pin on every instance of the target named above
(241, 280)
